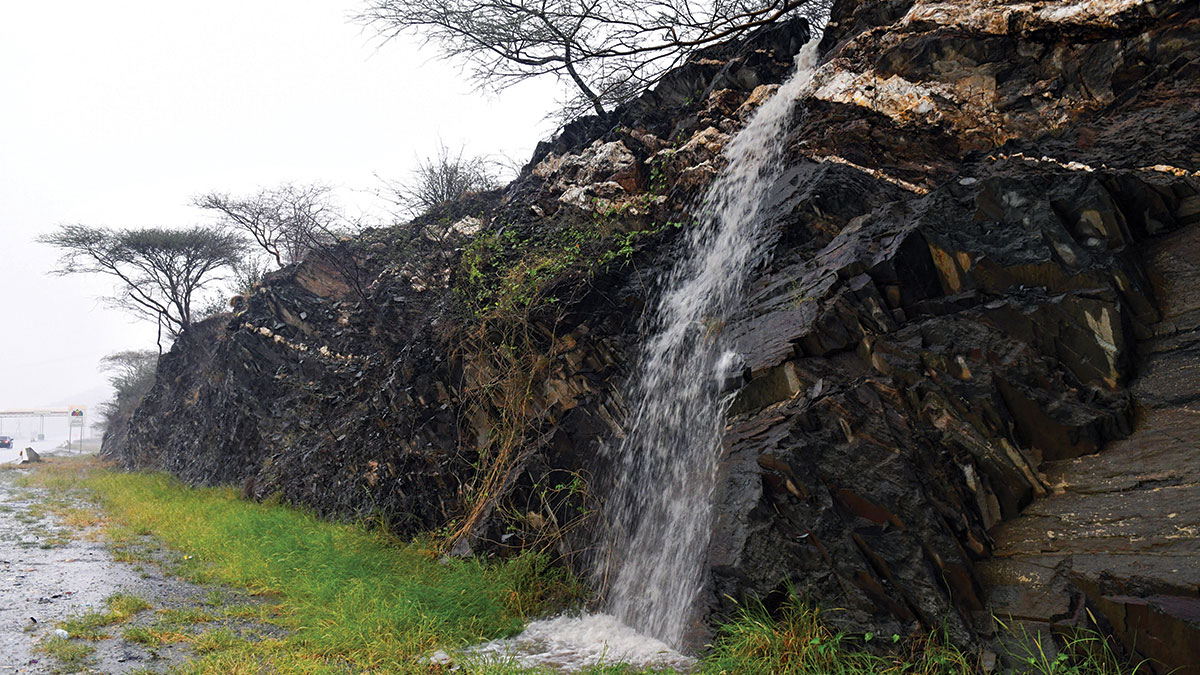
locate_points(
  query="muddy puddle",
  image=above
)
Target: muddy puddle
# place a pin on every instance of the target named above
(51, 571)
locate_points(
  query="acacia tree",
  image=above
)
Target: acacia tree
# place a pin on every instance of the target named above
(609, 50)
(159, 270)
(131, 374)
(129, 371)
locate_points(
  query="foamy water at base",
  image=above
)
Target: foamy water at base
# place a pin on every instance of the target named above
(572, 643)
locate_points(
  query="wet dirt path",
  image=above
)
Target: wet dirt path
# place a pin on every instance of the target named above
(50, 572)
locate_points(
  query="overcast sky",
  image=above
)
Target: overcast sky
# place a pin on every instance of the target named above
(117, 113)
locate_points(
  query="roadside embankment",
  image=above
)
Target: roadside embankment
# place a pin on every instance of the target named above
(147, 574)
(304, 595)
(67, 567)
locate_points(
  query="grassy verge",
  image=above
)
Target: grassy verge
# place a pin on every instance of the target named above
(797, 641)
(92, 625)
(348, 599)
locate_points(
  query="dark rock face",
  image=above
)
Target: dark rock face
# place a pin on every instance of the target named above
(894, 424)
(969, 368)
(307, 394)
(341, 383)
(933, 367)
(1118, 531)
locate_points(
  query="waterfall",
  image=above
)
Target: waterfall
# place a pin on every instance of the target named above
(659, 514)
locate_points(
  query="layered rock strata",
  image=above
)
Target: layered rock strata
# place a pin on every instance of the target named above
(968, 370)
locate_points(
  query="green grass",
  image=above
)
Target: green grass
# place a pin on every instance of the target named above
(797, 641)
(219, 641)
(348, 598)
(71, 656)
(122, 606)
(503, 668)
(182, 617)
(90, 626)
(1084, 652)
(143, 635)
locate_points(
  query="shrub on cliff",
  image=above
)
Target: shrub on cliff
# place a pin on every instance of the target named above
(444, 177)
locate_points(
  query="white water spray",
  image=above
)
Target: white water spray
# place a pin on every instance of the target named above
(660, 512)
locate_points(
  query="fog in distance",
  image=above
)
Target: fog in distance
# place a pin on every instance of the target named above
(117, 114)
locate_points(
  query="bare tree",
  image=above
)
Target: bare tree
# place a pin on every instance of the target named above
(285, 221)
(444, 177)
(291, 222)
(131, 374)
(159, 270)
(609, 50)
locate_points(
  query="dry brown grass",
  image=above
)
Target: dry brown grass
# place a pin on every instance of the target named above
(81, 518)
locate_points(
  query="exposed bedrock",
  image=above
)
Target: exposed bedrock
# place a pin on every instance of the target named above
(969, 373)
(936, 371)
(1118, 532)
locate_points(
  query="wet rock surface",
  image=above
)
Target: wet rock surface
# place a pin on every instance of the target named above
(978, 326)
(1119, 531)
(950, 351)
(343, 383)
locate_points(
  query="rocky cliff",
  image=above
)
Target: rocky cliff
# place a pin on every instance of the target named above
(969, 369)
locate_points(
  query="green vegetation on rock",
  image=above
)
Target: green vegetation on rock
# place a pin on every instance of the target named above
(507, 270)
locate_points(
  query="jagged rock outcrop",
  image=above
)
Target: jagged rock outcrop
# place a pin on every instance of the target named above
(323, 389)
(929, 361)
(1117, 532)
(967, 368)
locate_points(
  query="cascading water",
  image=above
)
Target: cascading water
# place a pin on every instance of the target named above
(668, 458)
(660, 510)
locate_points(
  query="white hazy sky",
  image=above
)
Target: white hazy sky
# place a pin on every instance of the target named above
(117, 113)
